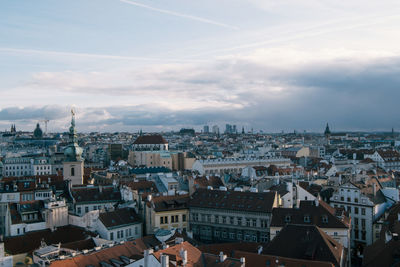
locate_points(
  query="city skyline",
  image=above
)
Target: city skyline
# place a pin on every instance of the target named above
(129, 65)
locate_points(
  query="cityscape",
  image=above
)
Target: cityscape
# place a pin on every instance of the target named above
(241, 133)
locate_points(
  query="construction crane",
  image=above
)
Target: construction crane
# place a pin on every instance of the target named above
(45, 125)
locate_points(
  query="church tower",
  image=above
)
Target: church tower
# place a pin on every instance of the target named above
(73, 161)
(327, 134)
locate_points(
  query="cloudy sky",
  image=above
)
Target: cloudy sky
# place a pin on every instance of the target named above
(160, 65)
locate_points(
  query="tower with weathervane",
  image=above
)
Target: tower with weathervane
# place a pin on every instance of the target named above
(73, 161)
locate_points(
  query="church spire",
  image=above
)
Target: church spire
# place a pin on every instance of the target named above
(327, 130)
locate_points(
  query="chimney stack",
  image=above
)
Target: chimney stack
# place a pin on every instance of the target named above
(242, 262)
(183, 254)
(164, 260)
(222, 257)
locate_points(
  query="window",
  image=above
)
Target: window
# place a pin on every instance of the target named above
(342, 198)
(363, 224)
(356, 234)
(86, 209)
(166, 219)
(363, 235)
(356, 200)
(239, 220)
(195, 217)
(224, 234)
(111, 236)
(72, 171)
(216, 218)
(217, 233)
(362, 211)
(79, 210)
(254, 222)
(231, 235)
(306, 218)
(356, 210)
(356, 222)
(224, 219)
(325, 219)
(349, 209)
(264, 238)
(127, 232)
(172, 219)
(232, 221)
(287, 218)
(183, 217)
(130, 231)
(239, 236)
(162, 219)
(335, 233)
(264, 223)
(248, 222)
(208, 218)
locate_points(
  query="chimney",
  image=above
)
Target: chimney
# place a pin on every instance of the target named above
(242, 262)
(222, 257)
(164, 261)
(183, 254)
(147, 253)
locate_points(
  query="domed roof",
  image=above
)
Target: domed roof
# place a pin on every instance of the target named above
(38, 133)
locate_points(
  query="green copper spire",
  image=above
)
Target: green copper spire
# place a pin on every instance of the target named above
(73, 152)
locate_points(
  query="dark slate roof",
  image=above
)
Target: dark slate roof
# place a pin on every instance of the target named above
(305, 242)
(164, 203)
(119, 217)
(150, 140)
(233, 200)
(27, 206)
(308, 208)
(32, 240)
(95, 194)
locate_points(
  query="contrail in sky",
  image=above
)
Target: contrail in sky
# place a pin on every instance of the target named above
(172, 13)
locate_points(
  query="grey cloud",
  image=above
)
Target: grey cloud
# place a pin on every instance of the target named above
(32, 113)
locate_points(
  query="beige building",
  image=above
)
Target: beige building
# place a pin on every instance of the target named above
(150, 159)
(166, 212)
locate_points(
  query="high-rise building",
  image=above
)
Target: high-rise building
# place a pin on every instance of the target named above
(215, 129)
(206, 129)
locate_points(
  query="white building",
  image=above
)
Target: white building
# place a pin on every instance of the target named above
(363, 208)
(234, 165)
(119, 225)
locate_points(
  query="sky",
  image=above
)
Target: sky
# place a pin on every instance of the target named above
(163, 65)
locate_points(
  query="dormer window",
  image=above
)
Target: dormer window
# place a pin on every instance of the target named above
(306, 218)
(325, 219)
(288, 218)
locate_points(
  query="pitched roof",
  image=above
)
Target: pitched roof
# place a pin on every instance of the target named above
(142, 186)
(323, 216)
(32, 240)
(164, 203)
(95, 194)
(118, 218)
(261, 260)
(150, 140)
(305, 242)
(233, 200)
(127, 249)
